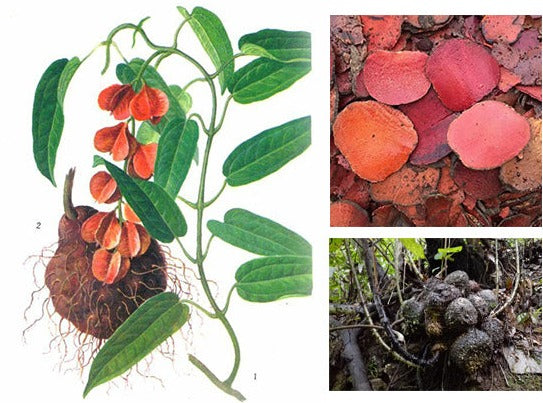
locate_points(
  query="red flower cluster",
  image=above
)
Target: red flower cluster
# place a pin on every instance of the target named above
(120, 241)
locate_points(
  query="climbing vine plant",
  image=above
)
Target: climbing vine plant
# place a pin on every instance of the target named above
(145, 159)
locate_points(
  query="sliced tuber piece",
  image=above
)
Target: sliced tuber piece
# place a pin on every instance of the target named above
(388, 216)
(507, 80)
(525, 173)
(534, 91)
(408, 186)
(426, 112)
(502, 28)
(519, 220)
(488, 134)
(396, 78)
(462, 73)
(432, 144)
(375, 138)
(348, 214)
(381, 31)
(480, 185)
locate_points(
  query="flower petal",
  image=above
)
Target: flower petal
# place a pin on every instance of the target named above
(90, 227)
(109, 231)
(129, 214)
(130, 245)
(100, 264)
(104, 188)
(149, 103)
(144, 160)
(121, 147)
(116, 98)
(145, 239)
(105, 138)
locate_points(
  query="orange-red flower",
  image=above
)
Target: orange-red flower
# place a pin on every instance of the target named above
(104, 188)
(130, 215)
(116, 140)
(102, 228)
(142, 163)
(135, 240)
(109, 267)
(149, 104)
(116, 98)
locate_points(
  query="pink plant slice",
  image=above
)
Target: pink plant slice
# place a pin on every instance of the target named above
(348, 214)
(462, 73)
(396, 78)
(488, 134)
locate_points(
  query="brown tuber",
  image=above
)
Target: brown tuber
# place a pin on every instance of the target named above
(92, 306)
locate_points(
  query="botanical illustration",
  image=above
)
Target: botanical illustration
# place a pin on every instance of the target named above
(110, 276)
(435, 314)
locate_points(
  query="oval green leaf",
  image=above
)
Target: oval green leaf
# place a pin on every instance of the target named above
(151, 324)
(283, 46)
(147, 134)
(183, 97)
(416, 249)
(175, 152)
(211, 33)
(258, 235)
(48, 114)
(126, 73)
(263, 78)
(157, 211)
(267, 152)
(271, 278)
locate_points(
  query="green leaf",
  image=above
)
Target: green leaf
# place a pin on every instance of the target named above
(263, 78)
(157, 211)
(126, 73)
(151, 324)
(48, 114)
(271, 278)
(267, 152)
(214, 39)
(147, 134)
(414, 247)
(183, 98)
(176, 149)
(258, 235)
(283, 46)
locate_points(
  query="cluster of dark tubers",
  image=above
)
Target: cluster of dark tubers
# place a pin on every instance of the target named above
(456, 314)
(93, 307)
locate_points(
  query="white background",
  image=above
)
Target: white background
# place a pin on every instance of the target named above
(284, 343)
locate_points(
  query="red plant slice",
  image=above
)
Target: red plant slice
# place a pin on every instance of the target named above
(427, 22)
(462, 73)
(408, 186)
(375, 138)
(359, 193)
(432, 145)
(396, 78)
(488, 134)
(90, 227)
(502, 28)
(143, 161)
(438, 211)
(381, 31)
(533, 91)
(525, 173)
(478, 184)
(108, 234)
(348, 214)
(104, 188)
(528, 47)
(121, 147)
(116, 98)
(426, 112)
(129, 214)
(518, 220)
(334, 99)
(359, 88)
(388, 216)
(507, 80)
(149, 104)
(506, 55)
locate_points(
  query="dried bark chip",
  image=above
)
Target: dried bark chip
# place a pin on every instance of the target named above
(478, 184)
(427, 22)
(396, 78)
(472, 29)
(359, 88)
(502, 28)
(382, 31)
(462, 73)
(426, 112)
(443, 211)
(345, 33)
(332, 65)
(375, 138)
(416, 214)
(348, 214)
(507, 80)
(533, 91)
(408, 186)
(343, 83)
(525, 173)
(432, 145)
(389, 216)
(488, 134)
(333, 103)
(529, 48)
(341, 179)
